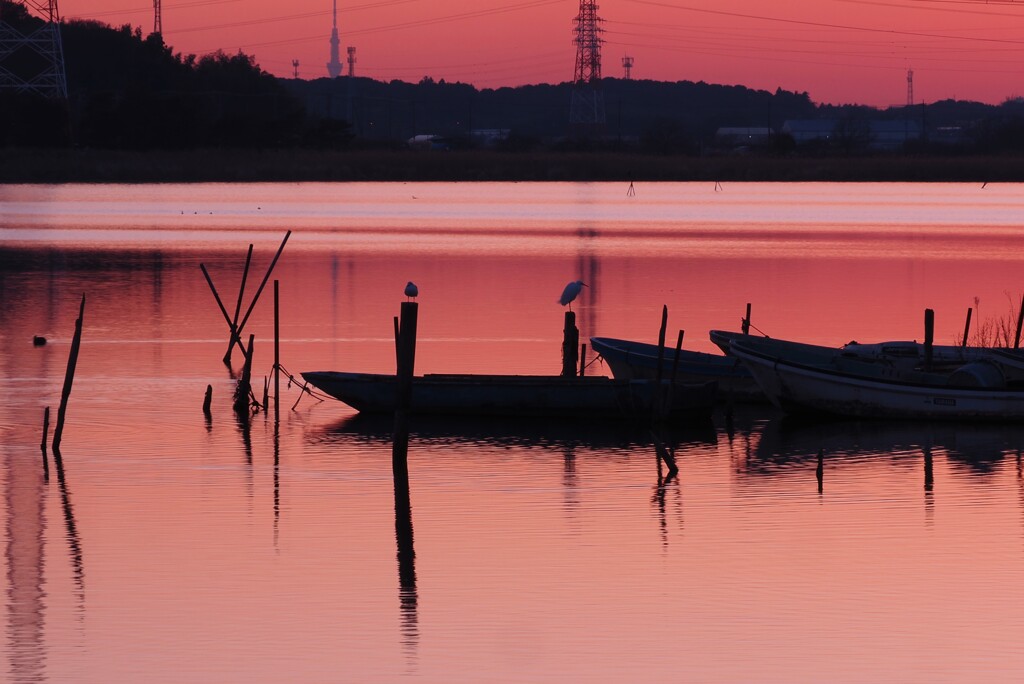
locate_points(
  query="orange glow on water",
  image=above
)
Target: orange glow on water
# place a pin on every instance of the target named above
(181, 549)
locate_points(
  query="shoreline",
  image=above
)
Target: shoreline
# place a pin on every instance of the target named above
(20, 165)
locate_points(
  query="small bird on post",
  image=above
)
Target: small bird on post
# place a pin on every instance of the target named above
(411, 291)
(571, 291)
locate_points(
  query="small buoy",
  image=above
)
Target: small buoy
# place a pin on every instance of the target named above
(38, 341)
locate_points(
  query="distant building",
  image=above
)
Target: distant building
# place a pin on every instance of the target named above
(488, 137)
(805, 131)
(738, 137)
(428, 141)
(892, 135)
(873, 134)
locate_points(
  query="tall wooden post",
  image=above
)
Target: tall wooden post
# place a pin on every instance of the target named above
(403, 404)
(661, 342)
(1020, 322)
(277, 349)
(967, 328)
(238, 304)
(69, 378)
(570, 345)
(746, 321)
(929, 337)
(675, 359)
(237, 333)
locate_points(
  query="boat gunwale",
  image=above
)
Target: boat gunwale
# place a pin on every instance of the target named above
(868, 382)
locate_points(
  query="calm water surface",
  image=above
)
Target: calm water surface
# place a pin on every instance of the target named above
(180, 549)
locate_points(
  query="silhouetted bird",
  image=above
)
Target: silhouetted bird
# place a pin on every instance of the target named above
(571, 291)
(411, 291)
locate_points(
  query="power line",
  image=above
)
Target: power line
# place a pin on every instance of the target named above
(818, 24)
(476, 14)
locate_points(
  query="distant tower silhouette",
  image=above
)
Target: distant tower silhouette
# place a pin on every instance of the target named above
(158, 20)
(295, 67)
(586, 111)
(34, 62)
(910, 87)
(351, 61)
(627, 64)
(334, 66)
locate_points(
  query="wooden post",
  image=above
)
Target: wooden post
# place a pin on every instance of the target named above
(1020, 321)
(583, 359)
(42, 445)
(277, 349)
(238, 304)
(224, 312)
(69, 378)
(929, 337)
(244, 388)
(207, 400)
(746, 321)
(266, 393)
(661, 342)
(403, 397)
(399, 457)
(820, 472)
(675, 361)
(570, 345)
(398, 331)
(236, 335)
(929, 474)
(967, 328)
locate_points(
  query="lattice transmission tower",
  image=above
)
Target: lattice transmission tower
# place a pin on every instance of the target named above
(910, 87)
(33, 61)
(586, 110)
(158, 18)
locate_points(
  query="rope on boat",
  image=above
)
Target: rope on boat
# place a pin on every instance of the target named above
(303, 389)
(756, 328)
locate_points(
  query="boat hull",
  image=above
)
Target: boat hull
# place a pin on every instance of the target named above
(518, 395)
(869, 391)
(630, 360)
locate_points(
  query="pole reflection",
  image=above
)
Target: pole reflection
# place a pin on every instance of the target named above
(71, 527)
(408, 598)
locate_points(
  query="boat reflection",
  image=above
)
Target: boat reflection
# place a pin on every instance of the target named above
(526, 433)
(787, 442)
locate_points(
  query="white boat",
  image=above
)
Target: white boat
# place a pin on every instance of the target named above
(630, 360)
(805, 378)
(521, 395)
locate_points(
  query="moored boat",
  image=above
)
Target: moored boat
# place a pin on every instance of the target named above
(802, 378)
(521, 395)
(629, 360)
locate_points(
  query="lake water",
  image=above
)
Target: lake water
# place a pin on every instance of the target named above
(177, 548)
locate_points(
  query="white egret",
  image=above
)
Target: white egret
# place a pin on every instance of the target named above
(411, 290)
(571, 291)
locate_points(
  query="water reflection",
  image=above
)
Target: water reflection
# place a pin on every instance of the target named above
(975, 448)
(25, 527)
(561, 436)
(408, 598)
(71, 527)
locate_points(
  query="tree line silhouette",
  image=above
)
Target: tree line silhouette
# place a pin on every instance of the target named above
(133, 92)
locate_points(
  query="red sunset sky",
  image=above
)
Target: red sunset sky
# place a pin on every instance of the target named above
(839, 51)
